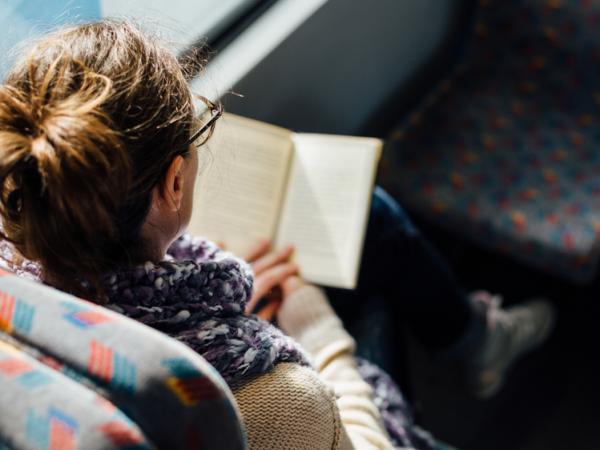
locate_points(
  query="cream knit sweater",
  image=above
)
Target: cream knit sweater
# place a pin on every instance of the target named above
(294, 407)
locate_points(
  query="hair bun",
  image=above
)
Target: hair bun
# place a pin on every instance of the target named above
(59, 153)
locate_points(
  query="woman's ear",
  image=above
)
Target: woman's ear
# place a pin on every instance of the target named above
(169, 192)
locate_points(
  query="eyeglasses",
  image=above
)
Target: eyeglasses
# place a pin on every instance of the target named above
(215, 110)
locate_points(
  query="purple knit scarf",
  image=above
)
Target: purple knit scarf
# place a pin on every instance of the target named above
(197, 296)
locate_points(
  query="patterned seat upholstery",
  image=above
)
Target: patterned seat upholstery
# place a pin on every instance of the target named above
(78, 376)
(506, 151)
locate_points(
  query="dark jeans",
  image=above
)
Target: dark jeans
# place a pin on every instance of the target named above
(402, 281)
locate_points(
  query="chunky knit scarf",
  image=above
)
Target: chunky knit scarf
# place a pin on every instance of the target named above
(198, 297)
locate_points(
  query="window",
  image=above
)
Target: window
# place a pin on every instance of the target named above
(181, 22)
(243, 31)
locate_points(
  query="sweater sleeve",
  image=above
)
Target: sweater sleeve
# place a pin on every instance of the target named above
(289, 407)
(307, 316)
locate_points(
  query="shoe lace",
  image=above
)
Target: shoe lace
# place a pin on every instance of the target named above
(517, 322)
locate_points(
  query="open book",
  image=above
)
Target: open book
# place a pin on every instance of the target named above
(259, 181)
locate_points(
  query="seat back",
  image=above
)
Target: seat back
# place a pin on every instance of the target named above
(76, 375)
(504, 152)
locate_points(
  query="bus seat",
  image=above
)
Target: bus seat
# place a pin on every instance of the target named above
(506, 151)
(75, 375)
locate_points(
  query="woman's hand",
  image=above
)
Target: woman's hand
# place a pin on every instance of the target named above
(288, 286)
(271, 270)
(292, 284)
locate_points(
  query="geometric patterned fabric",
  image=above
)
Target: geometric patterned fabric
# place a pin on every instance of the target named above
(506, 152)
(78, 376)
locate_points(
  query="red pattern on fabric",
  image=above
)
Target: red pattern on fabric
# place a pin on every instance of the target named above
(192, 391)
(92, 317)
(14, 367)
(100, 363)
(62, 436)
(7, 307)
(120, 434)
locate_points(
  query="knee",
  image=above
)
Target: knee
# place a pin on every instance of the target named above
(387, 214)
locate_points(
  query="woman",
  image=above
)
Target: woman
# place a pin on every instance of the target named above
(98, 162)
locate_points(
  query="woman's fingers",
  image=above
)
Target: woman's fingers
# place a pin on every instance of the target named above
(270, 270)
(270, 310)
(274, 276)
(272, 259)
(268, 280)
(257, 251)
(292, 284)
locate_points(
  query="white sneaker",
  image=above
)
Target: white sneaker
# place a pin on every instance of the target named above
(509, 334)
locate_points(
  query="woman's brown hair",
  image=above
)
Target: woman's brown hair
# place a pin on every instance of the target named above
(90, 119)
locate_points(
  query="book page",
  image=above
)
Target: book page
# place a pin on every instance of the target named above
(327, 203)
(242, 177)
